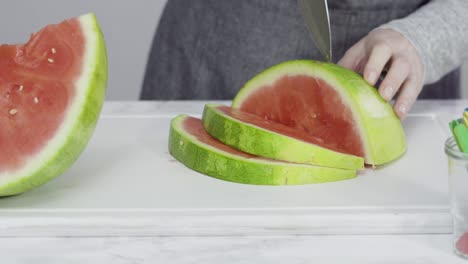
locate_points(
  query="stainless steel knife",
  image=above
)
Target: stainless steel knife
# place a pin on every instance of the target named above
(317, 20)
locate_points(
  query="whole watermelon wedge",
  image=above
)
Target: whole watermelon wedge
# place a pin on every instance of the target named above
(333, 104)
(51, 93)
(310, 116)
(194, 147)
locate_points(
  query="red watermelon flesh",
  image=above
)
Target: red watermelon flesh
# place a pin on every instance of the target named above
(306, 108)
(37, 84)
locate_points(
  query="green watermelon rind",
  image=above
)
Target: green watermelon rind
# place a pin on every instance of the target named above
(261, 142)
(223, 165)
(79, 124)
(381, 131)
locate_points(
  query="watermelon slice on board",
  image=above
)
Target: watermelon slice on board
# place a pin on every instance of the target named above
(255, 135)
(51, 93)
(333, 104)
(194, 147)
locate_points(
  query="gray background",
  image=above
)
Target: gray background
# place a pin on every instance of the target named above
(128, 27)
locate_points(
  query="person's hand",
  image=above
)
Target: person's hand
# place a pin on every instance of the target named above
(386, 49)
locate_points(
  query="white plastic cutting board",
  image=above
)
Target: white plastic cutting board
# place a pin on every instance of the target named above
(126, 183)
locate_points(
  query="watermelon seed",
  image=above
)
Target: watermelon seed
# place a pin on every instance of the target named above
(50, 60)
(53, 50)
(20, 88)
(314, 115)
(13, 111)
(36, 100)
(181, 143)
(7, 95)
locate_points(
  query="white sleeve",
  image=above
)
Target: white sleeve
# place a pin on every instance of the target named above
(439, 32)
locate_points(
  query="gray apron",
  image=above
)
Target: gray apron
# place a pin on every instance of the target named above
(207, 49)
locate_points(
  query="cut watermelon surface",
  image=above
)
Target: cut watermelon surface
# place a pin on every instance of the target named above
(333, 104)
(193, 146)
(51, 93)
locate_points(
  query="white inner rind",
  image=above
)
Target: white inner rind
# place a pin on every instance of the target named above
(74, 110)
(296, 68)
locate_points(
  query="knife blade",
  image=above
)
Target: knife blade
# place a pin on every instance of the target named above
(317, 19)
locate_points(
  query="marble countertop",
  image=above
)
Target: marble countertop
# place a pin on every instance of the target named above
(48, 225)
(375, 249)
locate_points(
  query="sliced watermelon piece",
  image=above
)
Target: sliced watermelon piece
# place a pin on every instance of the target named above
(193, 146)
(258, 136)
(331, 103)
(51, 93)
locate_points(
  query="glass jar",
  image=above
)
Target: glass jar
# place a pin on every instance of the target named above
(458, 187)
